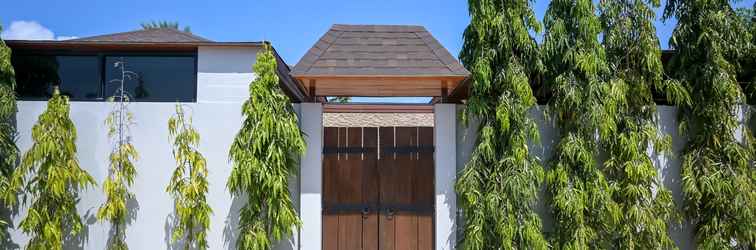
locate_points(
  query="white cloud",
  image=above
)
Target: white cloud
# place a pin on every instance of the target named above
(66, 37)
(30, 30)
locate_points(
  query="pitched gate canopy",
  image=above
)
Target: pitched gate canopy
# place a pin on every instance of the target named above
(379, 60)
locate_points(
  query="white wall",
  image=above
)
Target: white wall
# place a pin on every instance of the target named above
(445, 175)
(223, 76)
(311, 174)
(224, 73)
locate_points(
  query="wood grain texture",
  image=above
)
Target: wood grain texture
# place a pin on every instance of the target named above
(396, 186)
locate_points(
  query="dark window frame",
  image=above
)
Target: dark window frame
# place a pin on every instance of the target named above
(102, 58)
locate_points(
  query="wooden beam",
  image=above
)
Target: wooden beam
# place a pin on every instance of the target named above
(311, 89)
(377, 108)
(444, 91)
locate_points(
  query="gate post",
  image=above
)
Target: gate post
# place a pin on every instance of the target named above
(311, 177)
(445, 119)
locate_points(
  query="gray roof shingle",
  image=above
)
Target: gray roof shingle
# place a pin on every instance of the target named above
(160, 35)
(378, 50)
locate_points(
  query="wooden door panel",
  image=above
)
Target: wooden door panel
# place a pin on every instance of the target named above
(330, 232)
(370, 238)
(350, 232)
(406, 231)
(386, 232)
(425, 232)
(424, 181)
(350, 169)
(386, 171)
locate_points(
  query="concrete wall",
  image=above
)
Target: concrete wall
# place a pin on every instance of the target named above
(223, 76)
(668, 165)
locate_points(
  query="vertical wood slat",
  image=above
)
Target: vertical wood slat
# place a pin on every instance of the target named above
(425, 190)
(385, 177)
(330, 232)
(387, 233)
(330, 221)
(370, 237)
(350, 231)
(405, 173)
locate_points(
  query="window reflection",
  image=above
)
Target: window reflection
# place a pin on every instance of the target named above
(77, 76)
(160, 78)
(157, 78)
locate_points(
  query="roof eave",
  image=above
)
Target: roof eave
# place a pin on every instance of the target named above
(433, 76)
(127, 43)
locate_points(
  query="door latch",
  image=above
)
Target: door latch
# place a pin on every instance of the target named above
(390, 213)
(365, 212)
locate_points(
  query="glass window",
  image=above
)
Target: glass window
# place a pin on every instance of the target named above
(156, 78)
(77, 76)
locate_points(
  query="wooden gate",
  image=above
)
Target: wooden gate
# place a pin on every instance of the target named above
(378, 188)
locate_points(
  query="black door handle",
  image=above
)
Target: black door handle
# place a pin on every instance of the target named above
(390, 213)
(365, 212)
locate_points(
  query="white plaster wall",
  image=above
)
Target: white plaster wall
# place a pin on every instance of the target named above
(223, 76)
(224, 73)
(311, 174)
(668, 165)
(445, 138)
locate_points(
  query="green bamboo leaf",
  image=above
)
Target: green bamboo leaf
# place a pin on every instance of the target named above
(50, 177)
(264, 154)
(501, 55)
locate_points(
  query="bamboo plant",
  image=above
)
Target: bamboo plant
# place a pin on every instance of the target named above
(583, 106)
(50, 177)
(499, 185)
(188, 185)
(121, 170)
(265, 154)
(718, 175)
(634, 57)
(8, 149)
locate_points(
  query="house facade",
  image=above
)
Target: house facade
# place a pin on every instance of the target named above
(210, 78)
(374, 176)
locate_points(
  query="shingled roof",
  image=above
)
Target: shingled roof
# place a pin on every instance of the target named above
(378, 50)
(160, 35)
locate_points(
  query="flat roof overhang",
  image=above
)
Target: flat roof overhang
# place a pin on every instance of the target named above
(379, 85)
(121, 46)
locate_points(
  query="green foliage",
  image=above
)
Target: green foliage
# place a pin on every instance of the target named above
(265, 153)
(747, 73)
(121, 170)
(50, 176)
(340, 99)
(164, 25)
(584, 107)
(189, 185)
(717, 171)
(8, 149)
(499, 185)
(634, 57)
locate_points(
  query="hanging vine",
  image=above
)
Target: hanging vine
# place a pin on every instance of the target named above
(189, 183)
(121, 171)
(8, 149)
(583, 105)
(265, 154)
(50, 177)
(499, 185)
(718, 177)
(634, 57)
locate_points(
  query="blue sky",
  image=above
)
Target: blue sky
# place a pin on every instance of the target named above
(292, 26)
